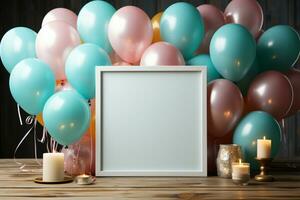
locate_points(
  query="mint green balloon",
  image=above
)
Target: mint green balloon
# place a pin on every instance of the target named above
(92, 23)
(204, 60)
(80, 67)
(232, 51)
(255, 126)
(66, 116)
(31, 83)
(278, 48)
(181, 25)
(249, 77)
(17, 44)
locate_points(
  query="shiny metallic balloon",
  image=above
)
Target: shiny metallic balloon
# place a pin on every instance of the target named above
(247, 13)
(271, 92)
(162, 53)
(294, 77)
(130, 33)
(213, 19)
(225, 105)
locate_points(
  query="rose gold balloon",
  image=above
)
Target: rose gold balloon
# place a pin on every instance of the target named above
(54, 42)
(225, 107)
(162, 53)
(271, 92)
(130, 33)
(294, 77)
(247, 13)
(213, 19)
(61, 14)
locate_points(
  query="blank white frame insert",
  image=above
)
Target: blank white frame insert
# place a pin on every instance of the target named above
(151, 121)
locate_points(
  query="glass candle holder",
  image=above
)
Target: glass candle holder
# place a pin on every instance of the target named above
(228, 153)
(240, 173)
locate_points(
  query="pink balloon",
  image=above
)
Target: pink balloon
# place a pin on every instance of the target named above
(78, 158)
(247, 13)
(225, 106)
(121, 64)
(130, 33)
(213, 19)
(61, 14)
(54, 42)
(162, 53)
(114, 57)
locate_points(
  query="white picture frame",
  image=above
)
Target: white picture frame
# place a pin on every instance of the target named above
(151, 121)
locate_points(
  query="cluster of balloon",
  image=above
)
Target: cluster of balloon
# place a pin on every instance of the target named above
(250, 71)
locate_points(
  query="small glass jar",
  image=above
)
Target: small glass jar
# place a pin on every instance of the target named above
(240, 173)
(228, 153)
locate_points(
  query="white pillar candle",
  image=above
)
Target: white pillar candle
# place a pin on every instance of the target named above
(53, 167)
(263, 148)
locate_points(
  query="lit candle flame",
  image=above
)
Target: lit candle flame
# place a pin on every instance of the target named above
(240, 161)
(264, 137)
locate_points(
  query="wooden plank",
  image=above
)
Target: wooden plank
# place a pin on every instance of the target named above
(15, 185)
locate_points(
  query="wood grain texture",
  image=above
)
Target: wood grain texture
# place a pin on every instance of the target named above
(19, 185)
(30, 13)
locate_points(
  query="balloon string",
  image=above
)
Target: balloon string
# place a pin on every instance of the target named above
(19, 114)
(35, 142)
(42, 140)
(15, 152)
(91, 144)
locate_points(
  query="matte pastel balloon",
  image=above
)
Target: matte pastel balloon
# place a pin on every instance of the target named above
(181, 25)
(255, 126)
(244, 84)
(162, 53)
(54, 42)
(294, 77)
(130, 33)
(232, 51)
(17, 44)
(204, 60)
(92, 24)
(80, 67)
(213, 19)
(61, 14)
(225, 105)
(271, 92)
(155, 25)
(66, 116)
(31, 83)
(278, 48)
(247, 13)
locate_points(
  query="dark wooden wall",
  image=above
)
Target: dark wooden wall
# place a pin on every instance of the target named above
(30, 13)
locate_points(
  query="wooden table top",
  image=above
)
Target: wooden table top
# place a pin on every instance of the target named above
(19, 185)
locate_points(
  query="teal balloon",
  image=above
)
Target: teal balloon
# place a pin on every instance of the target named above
(92, 23)
(31, 83)
(80, 67)
(204, 60)
(181, 25)
(66, 116)
(17, 44)
(232, 51)
(278, 48)
(255, 126)
(244, 84)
